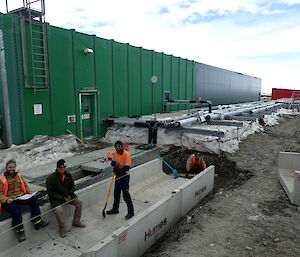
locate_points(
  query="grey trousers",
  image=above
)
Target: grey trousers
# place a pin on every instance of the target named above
(60, 216)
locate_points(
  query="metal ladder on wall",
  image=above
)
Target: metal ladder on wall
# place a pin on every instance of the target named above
(34, 44)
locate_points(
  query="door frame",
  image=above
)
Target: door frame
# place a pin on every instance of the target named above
(94, 94)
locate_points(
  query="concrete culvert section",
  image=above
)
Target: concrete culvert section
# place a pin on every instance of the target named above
(159, 201)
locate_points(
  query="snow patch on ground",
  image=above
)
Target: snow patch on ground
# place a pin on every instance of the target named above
(39, 150)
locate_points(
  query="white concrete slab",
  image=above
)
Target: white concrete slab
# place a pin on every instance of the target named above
(289, 175)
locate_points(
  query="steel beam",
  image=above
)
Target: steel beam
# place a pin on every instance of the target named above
(225, 123)
(243, 118)
(205, 132)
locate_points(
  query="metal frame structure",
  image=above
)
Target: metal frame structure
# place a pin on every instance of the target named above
(37, 44)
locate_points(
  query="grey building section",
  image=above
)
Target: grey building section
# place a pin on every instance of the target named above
(223, 86)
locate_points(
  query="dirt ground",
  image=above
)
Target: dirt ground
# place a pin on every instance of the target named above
(248, 214)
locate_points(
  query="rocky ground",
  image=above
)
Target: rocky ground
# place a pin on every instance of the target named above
(248, 214)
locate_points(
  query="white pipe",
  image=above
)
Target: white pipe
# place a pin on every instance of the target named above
(259, 109)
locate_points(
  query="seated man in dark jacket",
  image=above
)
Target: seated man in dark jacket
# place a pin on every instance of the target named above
(60, 187)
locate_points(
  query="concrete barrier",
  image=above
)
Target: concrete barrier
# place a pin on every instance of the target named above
(135, 238)
(289, 175)
(159, 201)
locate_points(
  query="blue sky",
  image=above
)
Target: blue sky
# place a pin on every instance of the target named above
(255, 37)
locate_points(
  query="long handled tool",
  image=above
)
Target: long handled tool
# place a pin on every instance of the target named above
(108, 193)
(173, 170)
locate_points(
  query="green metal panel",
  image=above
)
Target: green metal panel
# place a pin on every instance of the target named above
(182, 82)
(167, 67)
(120, 79)
(61, 73)
(189, 81)
(13, 62)
(84, 71)
(134, 80)
(37, 124)
(104, 79)
(157, 70)
(84, 63)
(175, 82)
(146, 61)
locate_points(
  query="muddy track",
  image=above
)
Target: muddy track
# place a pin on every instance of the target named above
(248, 213)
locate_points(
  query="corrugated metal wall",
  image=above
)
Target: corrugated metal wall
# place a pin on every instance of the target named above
(223, 86)
(12, 63)
(113, 80)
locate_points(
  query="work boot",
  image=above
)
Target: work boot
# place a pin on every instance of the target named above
(129, 216)
(78, 224)
(62, 232)
(41, 224)
(112, 211)
(21, 236)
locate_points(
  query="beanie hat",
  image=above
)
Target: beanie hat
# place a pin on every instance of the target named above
(60, 162)
(118, 143)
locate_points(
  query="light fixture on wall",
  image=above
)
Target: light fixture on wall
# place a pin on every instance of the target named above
(88, 50)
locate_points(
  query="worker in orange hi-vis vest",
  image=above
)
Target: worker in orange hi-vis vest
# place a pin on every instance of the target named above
(121, 162)
(195, 163)
(12, 187)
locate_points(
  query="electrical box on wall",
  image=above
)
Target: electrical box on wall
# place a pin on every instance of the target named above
(71, 118)
(167, 95)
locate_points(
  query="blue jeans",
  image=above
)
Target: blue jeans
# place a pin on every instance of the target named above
(15, 211)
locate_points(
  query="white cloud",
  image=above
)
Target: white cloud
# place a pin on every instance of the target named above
(255, 37)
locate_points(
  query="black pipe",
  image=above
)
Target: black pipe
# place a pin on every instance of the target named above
(209, 105)
(145, 125)
(190, 101)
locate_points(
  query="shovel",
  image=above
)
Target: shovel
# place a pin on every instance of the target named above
(108, 193)
(173, 170)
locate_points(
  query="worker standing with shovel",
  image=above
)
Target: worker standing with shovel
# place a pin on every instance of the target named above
(121, 162)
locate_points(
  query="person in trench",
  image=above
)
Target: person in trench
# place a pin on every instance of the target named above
(121, 161)
(195, 163)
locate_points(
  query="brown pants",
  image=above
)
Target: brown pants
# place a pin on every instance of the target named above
(60, 216)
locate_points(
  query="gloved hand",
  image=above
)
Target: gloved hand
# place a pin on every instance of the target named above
(113, 163)
(68, 198)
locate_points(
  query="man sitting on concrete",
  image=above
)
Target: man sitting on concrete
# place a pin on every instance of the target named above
(60, 187)
(195, 163)
(12, 186)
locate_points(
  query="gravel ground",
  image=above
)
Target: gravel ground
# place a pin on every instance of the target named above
(248, 214)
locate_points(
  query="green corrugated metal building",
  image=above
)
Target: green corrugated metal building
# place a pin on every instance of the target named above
(82, 79)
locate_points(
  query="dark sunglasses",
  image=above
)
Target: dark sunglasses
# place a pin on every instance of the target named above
(61, 167)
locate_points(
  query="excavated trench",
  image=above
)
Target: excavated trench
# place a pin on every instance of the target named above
(227, 174)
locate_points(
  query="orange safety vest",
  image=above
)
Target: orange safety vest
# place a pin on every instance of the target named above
(122, 160)
(193, 161)
(5, 184)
